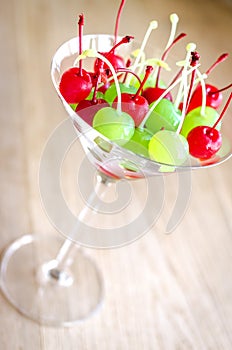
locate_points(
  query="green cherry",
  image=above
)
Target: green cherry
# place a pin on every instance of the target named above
(195, 118)
(111, 92)
(117, 127)
(168, 147)
(164, 116)
(139, 142)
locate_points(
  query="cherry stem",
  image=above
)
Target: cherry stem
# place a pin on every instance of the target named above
(183, 85)
(220, 59)
(148, 71)
(94, 98)
(127, 70)
(128, 63)
(194, 62)
(152, 25)
(223, 111)
(166, 52)
(187, 92)
(80, 28)
(211, 93)
(117, 21)
(125, 40)
(204, 92)
(178, 75)
(174, 19)
(193, 77)
(105, 60)
(100, 65)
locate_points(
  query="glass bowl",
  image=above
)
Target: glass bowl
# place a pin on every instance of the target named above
(107, 156)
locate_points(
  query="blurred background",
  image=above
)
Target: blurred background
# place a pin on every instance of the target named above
(163, 291)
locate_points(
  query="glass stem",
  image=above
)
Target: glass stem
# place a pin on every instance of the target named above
(56, 268)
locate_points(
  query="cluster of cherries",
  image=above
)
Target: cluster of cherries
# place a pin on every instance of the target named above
(127, 102)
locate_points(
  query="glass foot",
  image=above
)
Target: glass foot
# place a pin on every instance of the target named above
(33, 283)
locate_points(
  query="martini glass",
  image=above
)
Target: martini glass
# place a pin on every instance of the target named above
(50, 280)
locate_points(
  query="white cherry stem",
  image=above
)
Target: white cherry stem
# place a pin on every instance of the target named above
(174, 19)
(142, 64)
(203, 88)
(189, 48)
(196, 82)
(153, 25)
(184, 85)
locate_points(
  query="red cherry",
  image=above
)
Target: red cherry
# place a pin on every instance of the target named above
(152, 94)
(75, 87)
(136, 107)
(116, 60)
(204, 142)
(76, 84)
(134, 104)
(213, 97)
(87, 109)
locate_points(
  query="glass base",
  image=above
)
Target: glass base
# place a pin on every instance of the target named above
(33, 284)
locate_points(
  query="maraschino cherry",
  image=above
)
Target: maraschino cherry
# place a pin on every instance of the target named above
(116, 60)
(76, 83)
(115, 124)
(135, 104)
(88, 108)
(213, 94)
(205, 141)
(111, 92)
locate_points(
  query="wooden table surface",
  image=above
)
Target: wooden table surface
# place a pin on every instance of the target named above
(163, 292)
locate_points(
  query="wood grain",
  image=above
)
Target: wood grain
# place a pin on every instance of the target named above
(163, 292)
